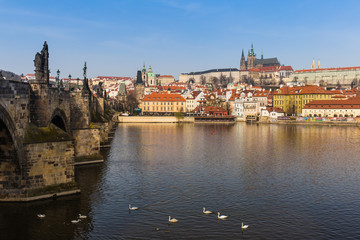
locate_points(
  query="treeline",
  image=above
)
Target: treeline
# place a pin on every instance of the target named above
(9, 75)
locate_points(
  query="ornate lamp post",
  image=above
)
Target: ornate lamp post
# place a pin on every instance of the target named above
(69, 81)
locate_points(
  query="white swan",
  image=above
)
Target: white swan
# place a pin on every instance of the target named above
(41, 215)
(222, 216)
(172, 220)
(206, 211)
(75, 221)
(133, 208)
(82, 216)
(244, 226)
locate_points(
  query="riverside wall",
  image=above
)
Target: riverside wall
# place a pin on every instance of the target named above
(157, 119)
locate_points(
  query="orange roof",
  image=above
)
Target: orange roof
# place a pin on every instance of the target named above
(353, 103)
(299, 90)
(275, 109)
(327, 69)
(163, 97)
(264, 93)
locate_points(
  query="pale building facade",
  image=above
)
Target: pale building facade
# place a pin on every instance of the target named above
(345, 76)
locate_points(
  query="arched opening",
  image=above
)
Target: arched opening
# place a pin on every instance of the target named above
(315, 115)
(346, 115)
(335, 115)
(340, 115)
(58, 122)
(9, 167)
(310, 115)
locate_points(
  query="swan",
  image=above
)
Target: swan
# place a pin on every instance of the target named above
(75, 221)
(133, 208)
(206, 212)
(222, 216)
(82, 216)
(41, 215)
(172, 220)
(244, 226)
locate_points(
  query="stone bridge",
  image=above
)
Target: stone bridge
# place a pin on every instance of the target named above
(42, 130)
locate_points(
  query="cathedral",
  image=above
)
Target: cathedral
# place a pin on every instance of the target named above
(253, 62)
(148, 77)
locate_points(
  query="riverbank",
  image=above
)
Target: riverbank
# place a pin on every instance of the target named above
(170, 119)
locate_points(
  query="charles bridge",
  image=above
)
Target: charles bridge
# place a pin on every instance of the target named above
(44, 131)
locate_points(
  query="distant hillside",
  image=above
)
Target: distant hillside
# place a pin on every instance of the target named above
(10, 75)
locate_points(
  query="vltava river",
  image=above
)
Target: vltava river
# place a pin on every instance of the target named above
(284, 181)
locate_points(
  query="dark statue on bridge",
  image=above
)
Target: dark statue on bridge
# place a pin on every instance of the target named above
(41, 63)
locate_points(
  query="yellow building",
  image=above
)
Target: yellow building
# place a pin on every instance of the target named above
(293, 99)
(162, 103)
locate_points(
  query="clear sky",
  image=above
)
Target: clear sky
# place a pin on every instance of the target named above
(116, 37)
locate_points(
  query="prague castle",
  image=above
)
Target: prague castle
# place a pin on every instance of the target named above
(253, 62)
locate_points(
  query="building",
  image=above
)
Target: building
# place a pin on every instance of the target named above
(165, 79)
(328, 77)
(211, 111)
(253, 62)
(293, 99)
(332, 108)
(162, 103)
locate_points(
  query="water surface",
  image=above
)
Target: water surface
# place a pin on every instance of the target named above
(285, 181)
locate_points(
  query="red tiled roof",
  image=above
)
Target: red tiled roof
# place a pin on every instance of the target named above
(164, 97)
(353, 103)
(312, 89)
(114, 78)
(165, 76)
(327, 69)
(275, 109)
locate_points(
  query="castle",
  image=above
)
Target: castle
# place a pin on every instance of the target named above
(253, 62)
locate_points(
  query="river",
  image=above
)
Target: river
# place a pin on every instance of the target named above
(284, 181)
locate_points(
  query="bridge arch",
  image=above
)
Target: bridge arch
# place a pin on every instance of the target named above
(10, 152)
(59, 119)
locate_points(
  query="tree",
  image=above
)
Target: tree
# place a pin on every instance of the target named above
(202, 80)
(215, 82)
(131, 103)
(179, 116)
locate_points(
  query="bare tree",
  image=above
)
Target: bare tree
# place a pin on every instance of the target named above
(202, 80)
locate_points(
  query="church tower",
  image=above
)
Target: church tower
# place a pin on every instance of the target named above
(144, 75)
(251, 58)
(242, 61)
(318, 65)
(313, 65)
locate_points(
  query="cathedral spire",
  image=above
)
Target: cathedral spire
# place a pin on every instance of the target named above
(242, 54)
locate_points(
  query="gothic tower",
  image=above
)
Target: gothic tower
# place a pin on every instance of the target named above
(242, 61)
(251, 58)
(313, 65)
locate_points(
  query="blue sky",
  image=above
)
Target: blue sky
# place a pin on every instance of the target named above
(117, 37)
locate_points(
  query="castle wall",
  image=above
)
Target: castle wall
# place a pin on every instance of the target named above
(186, 77)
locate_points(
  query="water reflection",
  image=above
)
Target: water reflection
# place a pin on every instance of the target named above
(285, 181)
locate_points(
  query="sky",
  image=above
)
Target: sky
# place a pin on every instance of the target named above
(116, 37)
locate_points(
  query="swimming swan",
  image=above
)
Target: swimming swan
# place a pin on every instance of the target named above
(82, 216)
(133, 208)
(206, 212)
(244, 226)
(75, 221)
(172, 220)
(41, 215)
(222, 216)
